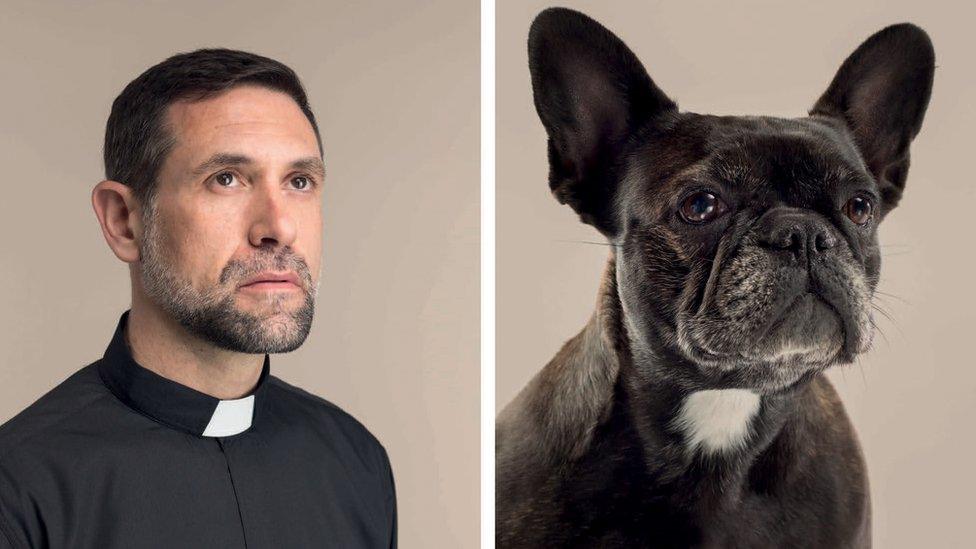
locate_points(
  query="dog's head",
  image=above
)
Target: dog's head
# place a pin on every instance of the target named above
(745, 247)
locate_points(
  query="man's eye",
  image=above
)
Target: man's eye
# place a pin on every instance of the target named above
(225, 179)
(301, 182)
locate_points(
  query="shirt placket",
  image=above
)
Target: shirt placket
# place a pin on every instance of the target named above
(237, 498)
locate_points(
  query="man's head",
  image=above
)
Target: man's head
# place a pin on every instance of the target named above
(213, 195)
(745, 247)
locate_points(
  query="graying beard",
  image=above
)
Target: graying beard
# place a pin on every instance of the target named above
(213, 316)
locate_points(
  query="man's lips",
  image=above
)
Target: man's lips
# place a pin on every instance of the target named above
(272, 281)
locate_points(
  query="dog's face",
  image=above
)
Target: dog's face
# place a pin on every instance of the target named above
(746, 247)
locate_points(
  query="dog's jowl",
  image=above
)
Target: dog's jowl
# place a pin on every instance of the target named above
(692, 410)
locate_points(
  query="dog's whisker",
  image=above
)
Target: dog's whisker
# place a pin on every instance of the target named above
(609, 244)
(880, 331)
(893, 296)
(883, 312)
(891, 319)
(860, 368)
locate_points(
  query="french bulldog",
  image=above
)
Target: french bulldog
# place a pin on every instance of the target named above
(693, 410)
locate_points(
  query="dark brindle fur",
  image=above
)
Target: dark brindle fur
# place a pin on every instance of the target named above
(764, 297)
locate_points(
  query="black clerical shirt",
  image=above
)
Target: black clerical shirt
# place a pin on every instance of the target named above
(119, 456)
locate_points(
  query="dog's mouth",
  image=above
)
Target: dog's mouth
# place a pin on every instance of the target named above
(807, 324)
(778, 323)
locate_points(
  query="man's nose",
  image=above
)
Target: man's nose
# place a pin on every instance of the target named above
(271, 221)
(799, 234)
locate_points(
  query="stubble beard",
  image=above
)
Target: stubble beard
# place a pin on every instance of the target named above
(212, 313)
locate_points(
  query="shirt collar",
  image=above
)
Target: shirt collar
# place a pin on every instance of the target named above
(172, 403)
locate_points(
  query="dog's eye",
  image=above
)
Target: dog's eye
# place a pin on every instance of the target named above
(859, 209)
(701, 207)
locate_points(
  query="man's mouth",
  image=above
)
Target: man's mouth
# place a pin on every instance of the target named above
(272, 281)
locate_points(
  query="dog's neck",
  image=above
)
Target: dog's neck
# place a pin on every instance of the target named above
(687, 433)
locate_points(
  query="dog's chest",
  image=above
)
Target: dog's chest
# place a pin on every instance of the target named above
(716, 421)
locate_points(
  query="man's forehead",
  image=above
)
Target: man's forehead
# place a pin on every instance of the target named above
(248, 120)
(240, 102)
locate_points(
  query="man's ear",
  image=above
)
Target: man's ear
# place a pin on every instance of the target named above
(881, 93)
(592, 94)
(118, 214)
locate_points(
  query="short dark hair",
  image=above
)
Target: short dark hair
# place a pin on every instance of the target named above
(136, 139)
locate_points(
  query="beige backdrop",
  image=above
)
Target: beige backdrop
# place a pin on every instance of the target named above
(395, 89)
(912, 398)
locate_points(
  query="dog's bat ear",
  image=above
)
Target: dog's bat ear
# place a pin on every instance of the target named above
(591, 93)
(881, 93)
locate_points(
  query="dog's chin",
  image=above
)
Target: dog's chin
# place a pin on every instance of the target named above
(805, 338)
(808, 330)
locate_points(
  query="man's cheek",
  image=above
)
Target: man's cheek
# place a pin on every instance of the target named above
(202, 262)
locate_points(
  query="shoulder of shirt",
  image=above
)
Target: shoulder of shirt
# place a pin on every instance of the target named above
(325, 409)
(63, 403)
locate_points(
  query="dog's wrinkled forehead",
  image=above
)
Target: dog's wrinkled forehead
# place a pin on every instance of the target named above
(756, 161)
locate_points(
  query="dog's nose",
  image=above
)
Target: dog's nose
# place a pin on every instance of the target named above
(801, 233)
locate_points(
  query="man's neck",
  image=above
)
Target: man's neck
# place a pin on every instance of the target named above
(161, 344)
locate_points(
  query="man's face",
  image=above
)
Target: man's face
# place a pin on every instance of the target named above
(233, 236)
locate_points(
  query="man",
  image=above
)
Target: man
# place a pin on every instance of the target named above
(179, 436)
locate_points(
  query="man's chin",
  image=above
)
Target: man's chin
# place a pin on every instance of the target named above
(245, 326)
(274, 313)
(277, 333)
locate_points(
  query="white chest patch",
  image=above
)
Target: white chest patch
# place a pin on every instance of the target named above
(717, 420)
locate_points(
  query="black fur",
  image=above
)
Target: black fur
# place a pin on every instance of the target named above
(765, 297)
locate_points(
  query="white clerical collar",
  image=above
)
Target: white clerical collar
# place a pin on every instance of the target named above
(230, 417)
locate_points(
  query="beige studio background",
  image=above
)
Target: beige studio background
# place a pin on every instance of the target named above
(395, 88)
(913, 398)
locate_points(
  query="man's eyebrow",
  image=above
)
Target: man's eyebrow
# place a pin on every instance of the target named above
(311, 164)
(220, 160)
